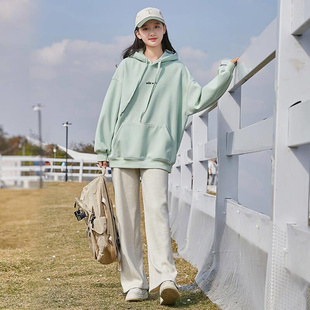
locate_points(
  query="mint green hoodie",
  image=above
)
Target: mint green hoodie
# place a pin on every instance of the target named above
(146, 107)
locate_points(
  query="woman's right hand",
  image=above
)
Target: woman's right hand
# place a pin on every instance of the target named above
(234, 61)
(103, 164)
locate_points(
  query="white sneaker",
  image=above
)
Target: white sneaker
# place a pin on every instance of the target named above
(168, 293)
(137, 294)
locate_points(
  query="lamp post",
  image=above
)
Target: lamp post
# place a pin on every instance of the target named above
(66, 124)
(54, 150)
(38, 108)
(22, 145)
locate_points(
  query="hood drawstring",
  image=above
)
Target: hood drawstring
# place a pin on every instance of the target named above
(152, 90)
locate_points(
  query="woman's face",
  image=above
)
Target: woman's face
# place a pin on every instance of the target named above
(151, 33)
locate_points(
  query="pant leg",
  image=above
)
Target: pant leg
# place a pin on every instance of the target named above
(127, 200)
(155, 200)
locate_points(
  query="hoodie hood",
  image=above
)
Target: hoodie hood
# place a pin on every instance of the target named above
(165, 57)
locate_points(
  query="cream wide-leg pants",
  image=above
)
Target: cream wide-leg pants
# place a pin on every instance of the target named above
(126, 184)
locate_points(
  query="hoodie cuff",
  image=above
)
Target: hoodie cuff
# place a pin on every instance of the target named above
(227, 67)
(102, 156)
(231, 66)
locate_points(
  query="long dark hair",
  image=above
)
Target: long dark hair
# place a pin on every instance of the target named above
(139, 45)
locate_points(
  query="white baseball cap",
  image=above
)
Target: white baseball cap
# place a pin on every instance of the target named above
(147, 14)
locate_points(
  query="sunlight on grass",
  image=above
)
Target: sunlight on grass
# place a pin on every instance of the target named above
(45, 262)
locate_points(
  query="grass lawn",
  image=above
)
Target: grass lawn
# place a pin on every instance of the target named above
(45, 262)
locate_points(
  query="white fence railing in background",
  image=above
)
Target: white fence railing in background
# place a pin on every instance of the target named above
(251, 259)
(25, 171)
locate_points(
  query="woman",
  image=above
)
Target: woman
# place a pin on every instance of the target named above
(138, 134)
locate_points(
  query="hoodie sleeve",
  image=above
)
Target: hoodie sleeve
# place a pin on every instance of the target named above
(107, 120)
(199, 98)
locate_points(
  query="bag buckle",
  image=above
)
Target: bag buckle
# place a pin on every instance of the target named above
(79, 213)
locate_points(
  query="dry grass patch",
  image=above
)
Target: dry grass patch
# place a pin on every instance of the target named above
(45, 262)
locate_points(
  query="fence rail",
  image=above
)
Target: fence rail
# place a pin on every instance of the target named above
(252, 258)
(26, 171)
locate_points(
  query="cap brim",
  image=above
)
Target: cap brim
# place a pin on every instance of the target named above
(143, 21)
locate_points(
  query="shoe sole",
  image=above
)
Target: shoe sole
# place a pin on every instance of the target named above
(135, 299)
(140, 298)
(169, 296)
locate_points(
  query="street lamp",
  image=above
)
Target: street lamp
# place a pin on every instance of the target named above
(66, 124)
(38, 108)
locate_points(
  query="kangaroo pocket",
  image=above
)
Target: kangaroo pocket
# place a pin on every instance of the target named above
(138, 141)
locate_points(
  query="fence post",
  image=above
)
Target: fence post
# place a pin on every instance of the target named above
(228, 166)
(199, 138)
(81, 170)
(290, 164)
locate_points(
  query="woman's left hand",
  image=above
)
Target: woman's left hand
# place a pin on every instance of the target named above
(235, 60)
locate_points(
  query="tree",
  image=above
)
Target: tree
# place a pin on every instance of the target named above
(19, 145)
(84, 148)
(49, 151)
(3, 141)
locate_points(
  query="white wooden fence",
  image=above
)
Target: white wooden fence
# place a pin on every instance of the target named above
(247, 259)
(26, 171)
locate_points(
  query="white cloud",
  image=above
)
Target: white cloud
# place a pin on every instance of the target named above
(52, 55)
(72, 56)
(196, 61)
(16, 17)
(188, 54)
(11, 10)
